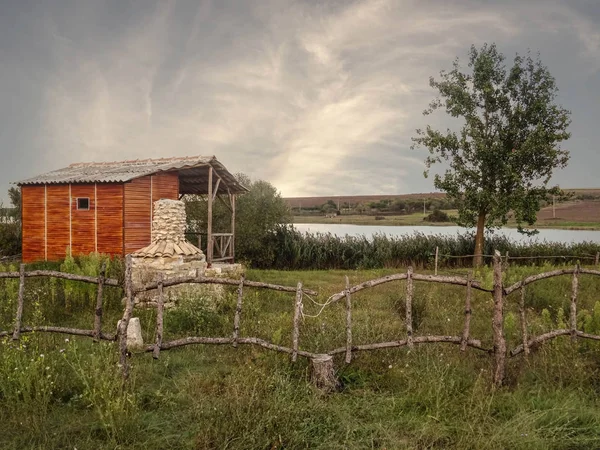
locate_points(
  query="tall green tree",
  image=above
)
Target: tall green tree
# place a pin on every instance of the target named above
(503, 156)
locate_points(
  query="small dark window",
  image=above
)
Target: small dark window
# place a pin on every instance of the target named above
(83, 203)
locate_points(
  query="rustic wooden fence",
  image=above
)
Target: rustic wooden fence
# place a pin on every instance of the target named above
(322, 363)
(506, 258)
(95, 333)
(121, 335)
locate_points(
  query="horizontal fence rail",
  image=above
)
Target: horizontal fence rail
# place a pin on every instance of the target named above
(565, 258)
(61, 275)
(542, 276)
(62, 330)
(214, 280)
(322, 360)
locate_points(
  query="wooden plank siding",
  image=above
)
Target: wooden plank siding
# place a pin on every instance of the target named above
(140, 195)
(83, 231)
(118, 222)
(109, 204)
(137, 214)
(165, 185)
(33, 216)
(57, 225)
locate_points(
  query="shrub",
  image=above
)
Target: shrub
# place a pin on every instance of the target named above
(437, 216)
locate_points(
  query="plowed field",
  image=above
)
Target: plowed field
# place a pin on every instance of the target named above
(578, 211)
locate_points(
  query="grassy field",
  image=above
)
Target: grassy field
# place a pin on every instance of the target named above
(359, 219)
(67, 393)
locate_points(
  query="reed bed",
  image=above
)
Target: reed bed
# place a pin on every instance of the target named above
(293, 250)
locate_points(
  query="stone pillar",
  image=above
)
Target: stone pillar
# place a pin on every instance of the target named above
(168, 253)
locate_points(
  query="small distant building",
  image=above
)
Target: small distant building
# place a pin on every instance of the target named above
(108, 207)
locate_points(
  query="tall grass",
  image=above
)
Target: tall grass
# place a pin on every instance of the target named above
(52, 301)
(63, 392)
(294, 250)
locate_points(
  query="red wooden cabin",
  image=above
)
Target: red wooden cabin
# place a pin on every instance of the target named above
(108, 207)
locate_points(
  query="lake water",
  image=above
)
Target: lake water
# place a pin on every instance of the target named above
(549, 235)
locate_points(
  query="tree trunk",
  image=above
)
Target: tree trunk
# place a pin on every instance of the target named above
(478, 260)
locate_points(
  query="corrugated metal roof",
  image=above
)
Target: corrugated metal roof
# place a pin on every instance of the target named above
(123, 171)
(115, 171)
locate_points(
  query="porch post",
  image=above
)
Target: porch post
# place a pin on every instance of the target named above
(232, 227)
(209, 241)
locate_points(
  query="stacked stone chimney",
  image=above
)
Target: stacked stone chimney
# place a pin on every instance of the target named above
(168, 233)
(168, 253)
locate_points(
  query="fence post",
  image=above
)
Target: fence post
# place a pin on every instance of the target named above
(17, 331)
(98, 314)
(409, 295)
(498, 321)
(160, 310)
(575, 287)
(466, 331)
(506, 261)
(323, 373)
(122, 331)
(436, 259)
(597, 258)
(238, 312)
(348, 323)
(524, 336)
(297, 311)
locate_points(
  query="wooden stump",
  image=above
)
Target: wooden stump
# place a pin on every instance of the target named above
(323, 374)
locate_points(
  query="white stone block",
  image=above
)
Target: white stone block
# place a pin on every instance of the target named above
(135, 342)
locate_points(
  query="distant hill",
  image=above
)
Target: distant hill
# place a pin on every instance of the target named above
(311, 202)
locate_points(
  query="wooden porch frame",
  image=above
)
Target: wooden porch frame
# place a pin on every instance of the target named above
(226, 240)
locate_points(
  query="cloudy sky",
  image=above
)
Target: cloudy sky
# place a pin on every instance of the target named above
(317, 97)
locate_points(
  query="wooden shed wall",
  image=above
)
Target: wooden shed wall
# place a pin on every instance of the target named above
(32, 198)
(138, 207)
(165, 185)
(83, 229)
(109, 209)
(140, 195)
(52, 224)
(58, 225)
(119, 219)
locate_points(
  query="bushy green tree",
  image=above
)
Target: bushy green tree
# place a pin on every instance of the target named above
(437, 216)
(329, 207)
(14, 194)
(258, 214)
(504, 155)
(10, 225)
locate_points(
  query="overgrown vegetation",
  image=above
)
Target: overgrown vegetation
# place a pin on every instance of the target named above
(296, 250)
(10, 225)
(59, 392)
